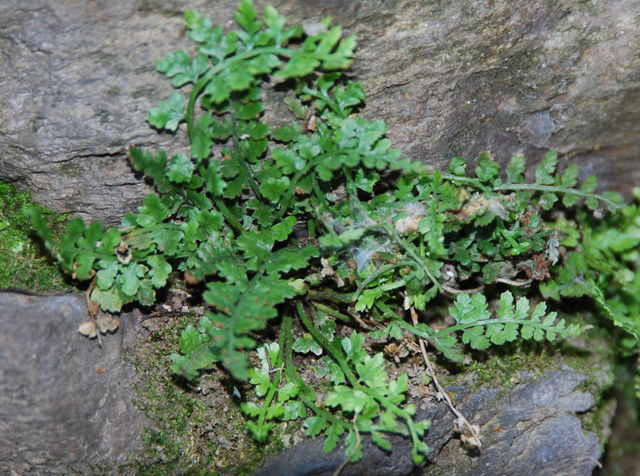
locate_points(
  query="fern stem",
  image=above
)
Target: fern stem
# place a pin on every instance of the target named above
(379, 272)
(329, 346)
(199, 86)
(426, 332)
(556, 189)
(533, 186)
(320, 196)
(353, 380)
(409, 250)
(330, 296)
(332, 312)
(300, 175)
(462, 179)
(420, 332)
(292, 376)
(243, 162)
(273, 388)
(228, 215)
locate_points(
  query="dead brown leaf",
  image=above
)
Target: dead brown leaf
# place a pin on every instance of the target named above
(107, 324)
(123, 253)
(88, 329)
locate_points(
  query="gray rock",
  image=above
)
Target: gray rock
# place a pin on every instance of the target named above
(77, 80)
(531, 429)
(456, 78)
(65, 404)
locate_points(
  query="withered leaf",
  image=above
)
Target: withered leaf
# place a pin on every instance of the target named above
(107, 324)
(123, 253)
(88, 329)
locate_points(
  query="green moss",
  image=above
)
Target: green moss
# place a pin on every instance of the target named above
(37, 121)
(143, 92)
(112, 61)
(195, 430)
(24, 263)
(113, 92)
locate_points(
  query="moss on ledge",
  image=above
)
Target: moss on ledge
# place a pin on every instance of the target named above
(24, 264)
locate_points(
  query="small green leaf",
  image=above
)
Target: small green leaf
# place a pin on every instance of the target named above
(296, 107)
(287, 392)
(570, 176)
(84, 266)
(457, 166)
(306, 344)
(487, 169)
(288, 160)
(260, 431)
(546, 169)
(180, 168)
(315, 425)
(516, 169)
(249, 110)
(202, 137)
(367, 298)
(218, 89)
(109, 300)
(333, 434)
(168, 115)
(106, 275)
(294, 410)
(129, 277)
(591, 202)
(180, 67)
(261, 381)
(348, 399)
(282, 230)
(251, 409)
(380, 440)
(300, 64)
(590, 184)
(274, 188)
(152, 212)
(159, 270)
(350, 235)
(190, 340)
(246, 17)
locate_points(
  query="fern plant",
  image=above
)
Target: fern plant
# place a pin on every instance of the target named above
(294, 222)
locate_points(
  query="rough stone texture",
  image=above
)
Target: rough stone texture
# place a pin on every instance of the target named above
(65, 404)
(455, 78)
(528, 430)
(77, 79)
(531, 429)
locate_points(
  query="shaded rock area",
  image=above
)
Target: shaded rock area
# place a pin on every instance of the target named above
(450, 78)
(65, 404)
(531, 429)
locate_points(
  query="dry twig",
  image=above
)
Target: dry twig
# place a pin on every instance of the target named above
(471, 437)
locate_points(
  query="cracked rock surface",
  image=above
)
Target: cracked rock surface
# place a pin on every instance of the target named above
(531, 429)
(450, 78)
